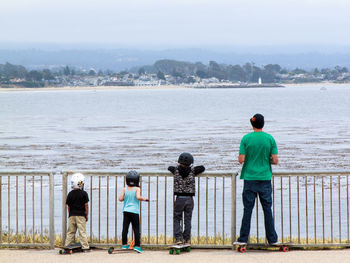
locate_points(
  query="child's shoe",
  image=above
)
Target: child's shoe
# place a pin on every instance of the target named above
(138, 249)
(178, 242)
(239, 243)
(125, 247)
(187, 242)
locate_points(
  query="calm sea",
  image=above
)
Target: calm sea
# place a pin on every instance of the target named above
(148, 129)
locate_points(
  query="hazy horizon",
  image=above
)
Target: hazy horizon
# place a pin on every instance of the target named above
(177, 24)
(239, 49)
(119, 35)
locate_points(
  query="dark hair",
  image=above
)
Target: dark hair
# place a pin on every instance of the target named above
(257, 121)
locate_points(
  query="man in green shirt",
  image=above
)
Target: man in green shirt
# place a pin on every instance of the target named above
(257, 151)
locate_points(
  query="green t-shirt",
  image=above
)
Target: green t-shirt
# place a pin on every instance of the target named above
(257, 148)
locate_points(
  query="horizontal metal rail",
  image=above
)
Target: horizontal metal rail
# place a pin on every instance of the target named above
(310, 208)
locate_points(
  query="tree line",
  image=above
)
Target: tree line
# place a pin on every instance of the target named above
(249, 72)
(184, 72)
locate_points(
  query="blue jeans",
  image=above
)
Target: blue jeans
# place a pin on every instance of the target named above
(250, 191)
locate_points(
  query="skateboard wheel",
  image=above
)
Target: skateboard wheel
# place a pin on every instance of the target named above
(285, 249)
(241, 249)
(177, 251)
(171, 251)
(188, 249)
(110, 250)
(60, 252)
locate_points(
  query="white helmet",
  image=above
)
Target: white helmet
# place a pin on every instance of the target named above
(77, 180)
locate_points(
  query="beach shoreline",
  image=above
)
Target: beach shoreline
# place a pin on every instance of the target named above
(93, 88)
(162, 87)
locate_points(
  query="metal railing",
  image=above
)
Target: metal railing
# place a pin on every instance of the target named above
(213, 218)
(309, 208)
(26, 198)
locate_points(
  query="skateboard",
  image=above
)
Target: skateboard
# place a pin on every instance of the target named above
(176, 249)
(112, 250)
(73, 248)
(283, 247)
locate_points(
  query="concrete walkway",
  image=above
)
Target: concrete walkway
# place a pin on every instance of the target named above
(200, 256)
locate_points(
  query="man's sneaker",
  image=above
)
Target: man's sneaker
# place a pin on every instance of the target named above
(239, 243)
(138, 249)
(275, 244)
(125, 247)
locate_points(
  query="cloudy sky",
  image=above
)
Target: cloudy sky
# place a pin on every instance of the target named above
(191, 23)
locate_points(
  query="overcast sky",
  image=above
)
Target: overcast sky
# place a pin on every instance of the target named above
(177, 23)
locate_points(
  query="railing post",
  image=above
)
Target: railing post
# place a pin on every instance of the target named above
(64, 209)
(233, 207)
(0, 209)
(52, 209)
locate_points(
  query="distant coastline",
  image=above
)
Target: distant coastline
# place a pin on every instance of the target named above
(239, 86)
(92, 88)
(163, 87)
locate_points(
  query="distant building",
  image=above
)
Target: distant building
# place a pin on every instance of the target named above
(118, 83)
(149, 82)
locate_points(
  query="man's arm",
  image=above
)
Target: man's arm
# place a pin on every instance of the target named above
(86, 211)
(274, 159)
(241, 158)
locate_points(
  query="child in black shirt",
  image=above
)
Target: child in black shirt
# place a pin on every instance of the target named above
(184, 189)
(78, 209)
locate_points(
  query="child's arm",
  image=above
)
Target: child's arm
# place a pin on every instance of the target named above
(198, 169)
(86, 211)
(122, 195)
(138, 195)
(68, 203)
(172, 169)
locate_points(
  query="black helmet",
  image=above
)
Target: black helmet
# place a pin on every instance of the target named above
(186, 159)
(132, 178)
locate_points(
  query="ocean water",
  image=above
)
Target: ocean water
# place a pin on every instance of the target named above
(148, 129)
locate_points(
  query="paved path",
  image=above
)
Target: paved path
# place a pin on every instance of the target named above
(200, 256)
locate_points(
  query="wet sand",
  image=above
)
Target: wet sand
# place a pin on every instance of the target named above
(200, 256)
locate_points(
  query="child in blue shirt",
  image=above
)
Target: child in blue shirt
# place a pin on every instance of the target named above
(131, 195)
